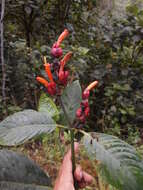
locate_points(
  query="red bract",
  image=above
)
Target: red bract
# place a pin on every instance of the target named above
(66, 58)
(85, 103)
(85, 94)
(56, 49)
(78, 112)
(63, 75)
(82, 118)
(87, 111)
(52, 88)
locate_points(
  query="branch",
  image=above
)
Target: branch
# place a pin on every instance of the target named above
(2, 10)
(72, 139)
(2, 52)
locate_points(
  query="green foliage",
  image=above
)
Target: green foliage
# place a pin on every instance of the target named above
(23, 126)
(71, 99)
(105, 49)
(15, 171)
(47, 105)
(120, 163)
(15, 186)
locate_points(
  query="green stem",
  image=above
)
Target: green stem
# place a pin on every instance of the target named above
(72, 150)
(72, 141)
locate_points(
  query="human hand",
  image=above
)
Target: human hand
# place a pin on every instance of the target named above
(65, 179)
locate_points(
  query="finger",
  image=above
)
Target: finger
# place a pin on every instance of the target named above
(88, 179)
(76, 149)
(78, 174)
(82, 185)
(67, 164)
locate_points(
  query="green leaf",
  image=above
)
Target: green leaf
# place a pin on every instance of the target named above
(133, 9)
(71, 99)
(23, 126)
(21, 186)
(83, 50)
(47, 105)
(120, 163)
(18, 172)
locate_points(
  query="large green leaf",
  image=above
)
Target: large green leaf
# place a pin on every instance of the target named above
(20, 186)
(71, 99)
(47, 105)
(22, 126)
(18, 172)
(121, 165)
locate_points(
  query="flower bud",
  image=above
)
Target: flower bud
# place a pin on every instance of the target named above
(87, 111)
(57, 52)
(52, 88)
(85, 103)
(85, 94)
(66, 74)
(82, 118)
(78, 112)
(63, 77)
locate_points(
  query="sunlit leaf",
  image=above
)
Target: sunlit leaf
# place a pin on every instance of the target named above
(83, 50)
(47, 105)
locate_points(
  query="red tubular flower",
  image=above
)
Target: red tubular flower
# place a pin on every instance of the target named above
(56, 49)
(92, 85)
(51, 86)
(63, 35)
(86, 92)
(48, 71)
(43, 81)
(83, 112)
(66, 58)
(63, 75)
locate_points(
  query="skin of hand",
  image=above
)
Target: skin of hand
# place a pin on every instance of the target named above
(65, 179)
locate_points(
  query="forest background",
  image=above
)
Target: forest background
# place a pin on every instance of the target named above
(106, 38)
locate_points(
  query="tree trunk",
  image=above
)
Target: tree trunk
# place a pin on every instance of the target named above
(2, 9)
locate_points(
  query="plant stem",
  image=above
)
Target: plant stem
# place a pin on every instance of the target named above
(72, 140)
(72, 150)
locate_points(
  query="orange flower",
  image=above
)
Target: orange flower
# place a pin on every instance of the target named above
(92, 85)
(63, 35)
(51, 86)
(43, 81)
(47, 69)
(86, 92)
(66, 58)
(63, 75)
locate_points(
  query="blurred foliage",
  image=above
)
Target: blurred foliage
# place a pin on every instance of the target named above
(105, 49)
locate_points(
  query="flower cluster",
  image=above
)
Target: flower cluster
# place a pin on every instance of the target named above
(58, 77)
(56, 72)
(83, 112)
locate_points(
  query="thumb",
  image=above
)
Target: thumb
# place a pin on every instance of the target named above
(67, 163)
